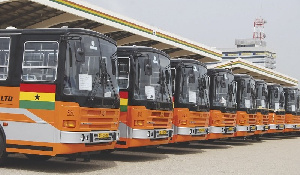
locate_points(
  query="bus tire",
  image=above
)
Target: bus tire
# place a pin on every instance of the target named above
(35, 157)
(3, 154)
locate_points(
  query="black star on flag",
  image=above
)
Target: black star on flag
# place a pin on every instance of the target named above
(37, 97)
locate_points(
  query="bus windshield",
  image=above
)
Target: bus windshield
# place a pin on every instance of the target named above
(90, 68)
(246, 93)
(224, 87)
(193, 86)
(291, 97)
(276, 98)
(153, 80)
(261, 95)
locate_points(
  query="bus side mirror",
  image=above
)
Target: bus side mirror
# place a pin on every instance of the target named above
(167, 77)
(79, 52)
(148, 67)
(192, 78)
(242, 85)
(103, 65)
(276, 93)
(113, 66)
(203, 82)
(248, 88)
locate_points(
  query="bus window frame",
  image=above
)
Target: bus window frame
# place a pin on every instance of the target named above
(8, 60)
(129, 68)
(57, 60)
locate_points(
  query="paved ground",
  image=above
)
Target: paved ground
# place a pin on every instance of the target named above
(276, 155)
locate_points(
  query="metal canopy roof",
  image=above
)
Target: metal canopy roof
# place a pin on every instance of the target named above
(241, 66)
(79, 14)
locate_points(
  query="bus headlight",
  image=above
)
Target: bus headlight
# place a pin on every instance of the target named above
(183, 122)
(139, 122)
(69, 123)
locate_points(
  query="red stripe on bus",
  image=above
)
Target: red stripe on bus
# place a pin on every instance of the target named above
(123, 94)
(46, 88)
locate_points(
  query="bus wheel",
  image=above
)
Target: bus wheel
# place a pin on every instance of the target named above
(3, 154)
(34, 157)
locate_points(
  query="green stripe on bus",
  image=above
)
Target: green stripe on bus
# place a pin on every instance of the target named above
(123, 108)
(37, 105)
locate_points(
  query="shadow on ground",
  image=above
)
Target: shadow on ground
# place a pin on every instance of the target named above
(237, 142)
(55, 165)
(168, 149)
(280, 137)
(129, 156)
(200, 145)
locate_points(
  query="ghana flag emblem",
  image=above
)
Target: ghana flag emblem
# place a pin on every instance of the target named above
(37, 96)
(123, 101)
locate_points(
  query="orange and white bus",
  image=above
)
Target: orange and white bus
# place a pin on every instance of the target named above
(276, 108)
(191, 100)
(292, 117)
(146, 97)
(262, 112)
(58, 91)
(246, 109)
(222, 95)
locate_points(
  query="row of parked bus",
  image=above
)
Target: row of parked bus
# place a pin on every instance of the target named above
(73, 91)
(179, 100)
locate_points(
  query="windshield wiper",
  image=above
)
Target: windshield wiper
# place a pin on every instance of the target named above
(114, 59)
(162, 83)
(202, 89)
(166, 85)
(106, 77)
(95, 86)
(101, 78)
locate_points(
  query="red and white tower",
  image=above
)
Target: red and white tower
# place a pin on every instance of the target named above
(259, 25)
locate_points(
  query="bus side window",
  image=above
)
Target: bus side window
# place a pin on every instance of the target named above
(123, 72)
(4, 57)
(40, 61)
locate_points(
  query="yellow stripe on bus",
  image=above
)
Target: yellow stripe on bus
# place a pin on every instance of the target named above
(123, 101)
(37, 96)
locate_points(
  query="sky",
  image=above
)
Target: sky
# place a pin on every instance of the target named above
(217, 23)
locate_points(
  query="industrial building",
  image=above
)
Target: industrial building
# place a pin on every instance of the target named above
(252, 50)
